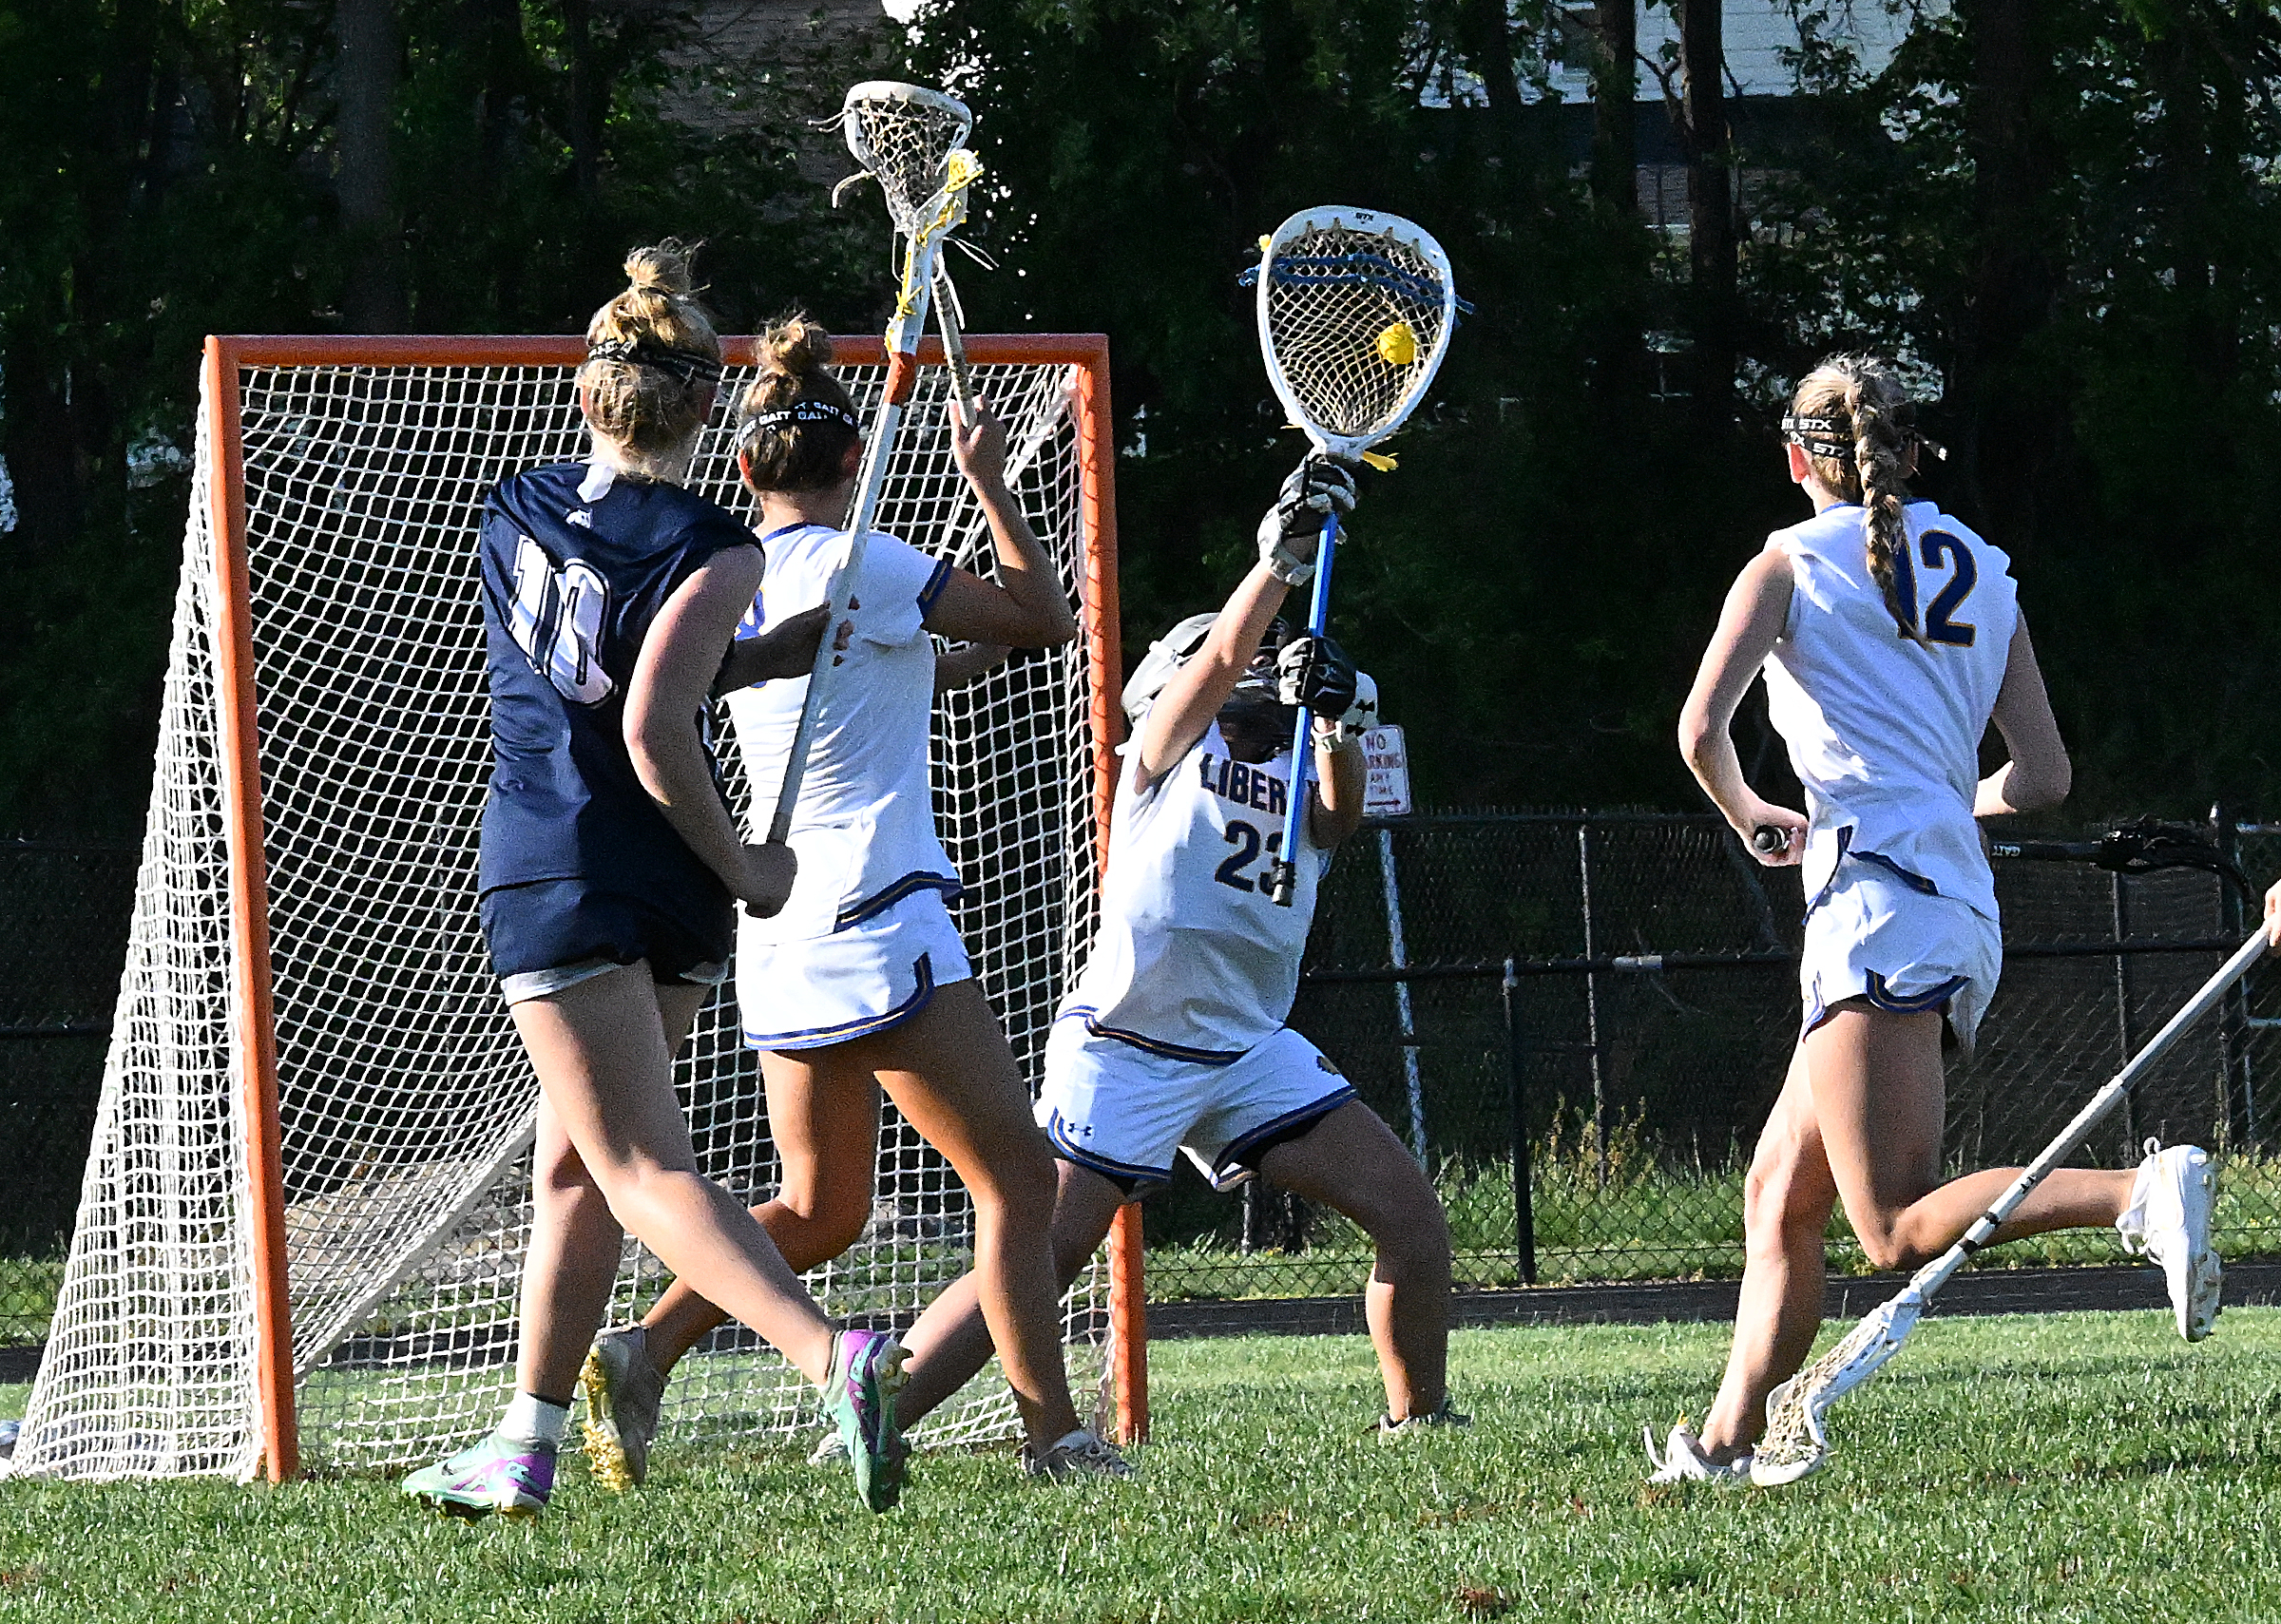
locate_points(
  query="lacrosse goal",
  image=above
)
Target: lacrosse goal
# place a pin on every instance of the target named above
(304, 1215)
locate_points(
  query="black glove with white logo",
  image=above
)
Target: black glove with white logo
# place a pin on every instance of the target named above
(1315, 672)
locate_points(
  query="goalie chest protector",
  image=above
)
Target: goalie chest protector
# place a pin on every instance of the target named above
(1192, 958)
(576, 564)
(1884, 730)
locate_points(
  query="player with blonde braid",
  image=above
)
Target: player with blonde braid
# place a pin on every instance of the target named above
(1889, 637)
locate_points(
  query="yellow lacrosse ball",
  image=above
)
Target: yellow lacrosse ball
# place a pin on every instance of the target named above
(1398, 345)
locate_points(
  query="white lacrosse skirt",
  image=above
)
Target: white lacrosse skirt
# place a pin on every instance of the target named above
(865, 978)
(1874, 936)
(1112, 1104)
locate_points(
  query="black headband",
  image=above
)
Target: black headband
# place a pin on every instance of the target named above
(799, 412)
(1819, 436)
(647, 351)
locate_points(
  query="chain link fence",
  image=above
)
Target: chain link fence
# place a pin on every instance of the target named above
(1581, 1022)
(1621, 1062)
(63, 912)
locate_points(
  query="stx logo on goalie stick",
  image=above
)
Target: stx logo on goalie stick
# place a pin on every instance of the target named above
(556, 620)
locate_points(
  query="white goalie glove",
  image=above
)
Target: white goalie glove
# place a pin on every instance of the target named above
(1360, 716)
(1292, 528)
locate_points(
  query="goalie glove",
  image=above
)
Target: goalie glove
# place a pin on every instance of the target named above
(1316, 673)
(1360, 716)
(1293, 529)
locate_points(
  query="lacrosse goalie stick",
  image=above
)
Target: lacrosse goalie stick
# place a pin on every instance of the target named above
(1795, 1442)
(1355, 311)
(2139, 847)
(913, 142)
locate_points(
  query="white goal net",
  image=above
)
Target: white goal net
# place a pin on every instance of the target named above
(404, 1101)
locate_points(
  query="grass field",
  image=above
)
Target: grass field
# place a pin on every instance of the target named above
(2069, 1467)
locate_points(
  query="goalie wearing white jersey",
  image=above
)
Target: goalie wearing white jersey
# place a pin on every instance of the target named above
(1891, 636)
(1174, 1038)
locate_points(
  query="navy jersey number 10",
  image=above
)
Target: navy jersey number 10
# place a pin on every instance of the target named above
(556, 620)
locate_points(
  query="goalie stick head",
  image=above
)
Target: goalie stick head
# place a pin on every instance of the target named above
(1355, 312)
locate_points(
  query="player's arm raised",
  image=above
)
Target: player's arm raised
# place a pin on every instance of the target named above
(1026, 607)
(672, 679)
(1757, 609)
(1200, 687)
(2038, 775)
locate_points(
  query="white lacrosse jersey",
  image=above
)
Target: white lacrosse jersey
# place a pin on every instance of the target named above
(864, 825)
(1884, 731)
(1193, 959)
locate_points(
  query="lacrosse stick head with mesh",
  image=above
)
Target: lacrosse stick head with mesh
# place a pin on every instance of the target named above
(1355, 311)
(912, 140)
(1796, 1444)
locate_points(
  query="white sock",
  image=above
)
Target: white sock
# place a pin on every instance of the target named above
(534, 1421)
(2131, 1225)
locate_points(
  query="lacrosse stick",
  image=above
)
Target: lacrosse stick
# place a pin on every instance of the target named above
(2139, 847)
(1355, 310)
(913, 142)
(1796, 1444)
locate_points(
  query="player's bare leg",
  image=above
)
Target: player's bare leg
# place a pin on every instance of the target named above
(949, 1071)
(1351, 1161)
(599, 1051)
(1860, 1117)
(952, 1342)
(1787, 1202)
(1879, 1097)
(823, 1116)
(572, 1263)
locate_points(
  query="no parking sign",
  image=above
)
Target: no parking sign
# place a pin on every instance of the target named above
(1385, 759)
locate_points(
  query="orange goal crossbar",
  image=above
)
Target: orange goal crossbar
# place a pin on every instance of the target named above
(255, 1054)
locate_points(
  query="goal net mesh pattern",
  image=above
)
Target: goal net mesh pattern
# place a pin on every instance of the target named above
(406, 1103)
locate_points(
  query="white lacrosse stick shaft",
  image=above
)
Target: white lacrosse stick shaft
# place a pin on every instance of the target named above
(924, 245)
(1882, 1332)
(902, 374)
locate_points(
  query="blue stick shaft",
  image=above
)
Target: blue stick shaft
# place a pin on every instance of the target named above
(1302, 757)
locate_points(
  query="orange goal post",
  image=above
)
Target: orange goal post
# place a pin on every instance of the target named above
(304, 1212)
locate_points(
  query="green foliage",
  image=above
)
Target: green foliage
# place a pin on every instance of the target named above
(2066, 1467)
(171, 174)
(2068, 232)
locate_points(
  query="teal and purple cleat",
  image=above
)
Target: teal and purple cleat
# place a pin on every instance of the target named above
(512, 1479)
(860, 1399)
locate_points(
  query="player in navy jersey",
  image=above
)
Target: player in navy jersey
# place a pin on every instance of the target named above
(610, 872)
(1174, 1038)
(1890, 637)
(860, 983)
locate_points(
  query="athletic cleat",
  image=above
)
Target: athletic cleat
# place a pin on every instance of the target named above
(1079, 1454)
(512, 1479)
(860, 1399)
(830, 1450)
(1391, 1431)
(623, 1390)
(1682, 1460)
(2168, 1220)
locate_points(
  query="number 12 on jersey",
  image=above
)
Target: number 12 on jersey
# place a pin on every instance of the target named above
(1941, 628)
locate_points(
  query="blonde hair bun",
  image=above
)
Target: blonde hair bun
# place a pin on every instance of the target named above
(662, 267)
